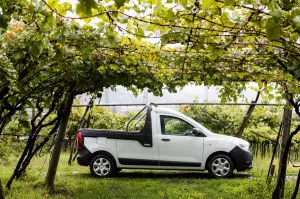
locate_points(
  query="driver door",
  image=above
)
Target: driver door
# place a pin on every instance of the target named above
(178, 147)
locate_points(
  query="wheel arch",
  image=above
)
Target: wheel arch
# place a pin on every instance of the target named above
(101, 152)
(218, 153)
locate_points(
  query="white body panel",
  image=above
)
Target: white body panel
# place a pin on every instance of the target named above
(177, 148)
(110, 145)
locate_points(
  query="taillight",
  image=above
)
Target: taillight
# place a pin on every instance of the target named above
(79, 140)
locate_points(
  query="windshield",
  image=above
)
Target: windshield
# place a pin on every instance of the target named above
(203, 128)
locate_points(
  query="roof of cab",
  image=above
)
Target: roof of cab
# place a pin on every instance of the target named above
(164, 110)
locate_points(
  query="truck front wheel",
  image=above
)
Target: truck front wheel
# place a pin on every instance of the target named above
(220, 166)
(102, 166)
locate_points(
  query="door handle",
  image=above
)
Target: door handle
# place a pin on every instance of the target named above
(165, 140)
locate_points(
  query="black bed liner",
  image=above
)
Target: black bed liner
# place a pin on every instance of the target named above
(144, 136)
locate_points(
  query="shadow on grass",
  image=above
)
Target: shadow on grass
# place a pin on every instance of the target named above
(162, 174)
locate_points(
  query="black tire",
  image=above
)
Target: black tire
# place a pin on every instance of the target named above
(220, 166)
(102, 166)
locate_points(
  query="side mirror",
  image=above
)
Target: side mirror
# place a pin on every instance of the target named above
(197, 132)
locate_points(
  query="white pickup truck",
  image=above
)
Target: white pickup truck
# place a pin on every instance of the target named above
(167, 140)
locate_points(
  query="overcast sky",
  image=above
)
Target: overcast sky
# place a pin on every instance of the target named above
(187, 94)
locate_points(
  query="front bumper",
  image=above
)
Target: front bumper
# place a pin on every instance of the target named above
(242, 159)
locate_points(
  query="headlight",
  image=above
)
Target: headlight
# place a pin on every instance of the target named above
(246, 147)
(242, 144)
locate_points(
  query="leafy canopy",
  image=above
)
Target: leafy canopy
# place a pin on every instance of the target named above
(48, 45)
(216, 41)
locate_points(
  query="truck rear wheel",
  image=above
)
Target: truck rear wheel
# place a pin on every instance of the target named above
(220, 166)
(102, 166)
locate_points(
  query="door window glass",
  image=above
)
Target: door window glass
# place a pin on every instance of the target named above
(175, 126)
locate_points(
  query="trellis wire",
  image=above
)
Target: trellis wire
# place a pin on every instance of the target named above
(184, 103)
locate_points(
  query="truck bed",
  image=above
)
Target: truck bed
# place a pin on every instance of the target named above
(143, 137)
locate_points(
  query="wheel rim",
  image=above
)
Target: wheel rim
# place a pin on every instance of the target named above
(101, 166)
(220, 167)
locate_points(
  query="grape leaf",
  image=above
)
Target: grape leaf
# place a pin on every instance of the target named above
(119, 3)
(84, 7)
(273, 30)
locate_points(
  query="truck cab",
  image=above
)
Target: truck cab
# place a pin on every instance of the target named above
(166, 140)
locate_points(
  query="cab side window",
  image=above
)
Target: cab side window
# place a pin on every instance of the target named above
(175, 126)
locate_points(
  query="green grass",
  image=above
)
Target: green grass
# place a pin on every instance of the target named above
(76, 182)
